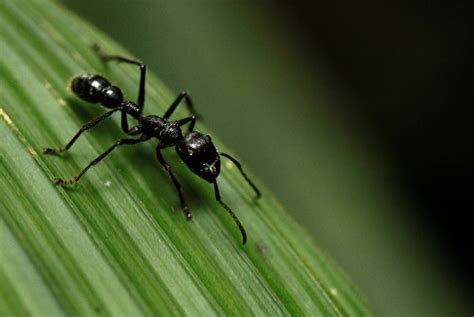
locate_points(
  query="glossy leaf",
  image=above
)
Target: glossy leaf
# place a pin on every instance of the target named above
(117, 243)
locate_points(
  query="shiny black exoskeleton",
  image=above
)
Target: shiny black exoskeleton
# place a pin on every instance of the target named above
(195, 149)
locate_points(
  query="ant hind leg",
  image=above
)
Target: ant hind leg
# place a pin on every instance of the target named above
(88, 125)
(108, 57)
(75, 179)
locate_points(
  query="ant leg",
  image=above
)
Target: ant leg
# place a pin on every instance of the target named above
(124, 123)
(231, 213)
(186, 120)
(75, 179)
(107, 57)
(239, 166)
(182, 95)
(88, 125)
(159, 156)
(136, 130)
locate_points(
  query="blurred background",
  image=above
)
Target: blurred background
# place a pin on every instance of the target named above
(355, 114)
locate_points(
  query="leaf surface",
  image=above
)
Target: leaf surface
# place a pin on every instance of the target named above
(117, 243)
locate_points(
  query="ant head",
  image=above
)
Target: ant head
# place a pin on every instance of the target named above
(199, 153)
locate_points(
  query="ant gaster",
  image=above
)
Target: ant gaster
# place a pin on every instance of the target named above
(195, 149)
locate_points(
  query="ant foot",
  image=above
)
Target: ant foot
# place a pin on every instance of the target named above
(48, 150)
(62, 182)
(187, 213)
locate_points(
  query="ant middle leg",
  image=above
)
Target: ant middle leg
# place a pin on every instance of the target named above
(124, 124)
(135, 130)
(108, 57)
(177, 185)
(75, 179)
(231, 213)
(88, 125)
(239, 166)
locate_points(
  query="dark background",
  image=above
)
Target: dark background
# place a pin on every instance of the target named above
(410, 66)
(356, 114)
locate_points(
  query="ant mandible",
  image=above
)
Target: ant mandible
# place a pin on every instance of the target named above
(195, 149)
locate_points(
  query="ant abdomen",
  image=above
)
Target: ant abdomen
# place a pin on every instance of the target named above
(89, 87)
(96, 89)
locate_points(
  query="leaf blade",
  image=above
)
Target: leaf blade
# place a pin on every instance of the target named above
(168, 266)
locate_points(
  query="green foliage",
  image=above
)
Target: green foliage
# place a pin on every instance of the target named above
(113, 245)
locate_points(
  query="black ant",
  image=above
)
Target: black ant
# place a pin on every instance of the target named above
(195, 149)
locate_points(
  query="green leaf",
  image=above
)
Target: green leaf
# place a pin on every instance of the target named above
(117, 243)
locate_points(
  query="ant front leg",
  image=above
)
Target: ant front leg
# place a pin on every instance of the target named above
(231, 213)
(75, 179)
(182, 95)
(107, 57)
(186, 120)
(239, 166)
(179, 189)
(89, 125)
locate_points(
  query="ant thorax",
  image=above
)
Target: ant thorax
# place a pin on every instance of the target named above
(168, 132)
